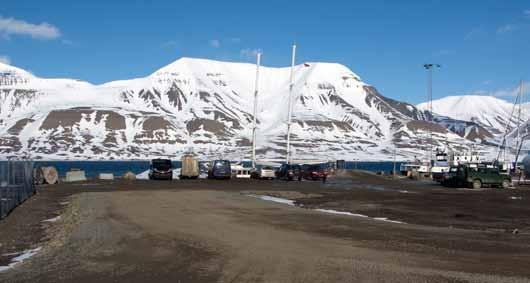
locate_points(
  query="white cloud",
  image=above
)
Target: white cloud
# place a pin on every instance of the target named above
(505, 29)
(215, 43)
(10, 26)
(248, 53)
(513, 91)
(5, 59)
(527, 13)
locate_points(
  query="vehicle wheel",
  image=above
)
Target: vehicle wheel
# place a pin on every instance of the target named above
(505, 184)
(477, 184)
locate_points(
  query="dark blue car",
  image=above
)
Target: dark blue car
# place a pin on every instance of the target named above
(220, 169)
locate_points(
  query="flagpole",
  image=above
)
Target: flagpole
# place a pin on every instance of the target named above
(289, 105)
(255, 111)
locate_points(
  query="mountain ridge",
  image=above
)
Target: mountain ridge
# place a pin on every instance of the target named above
(205, 106)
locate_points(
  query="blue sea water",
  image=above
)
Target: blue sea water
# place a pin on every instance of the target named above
(118, 168)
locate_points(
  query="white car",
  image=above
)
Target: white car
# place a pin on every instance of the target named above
(265, 172)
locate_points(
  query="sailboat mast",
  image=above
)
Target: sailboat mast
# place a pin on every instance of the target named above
(519, 113)
(519, 141)
(255, 113)
(289, 110)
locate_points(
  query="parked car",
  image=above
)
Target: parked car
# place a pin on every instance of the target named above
(476, 175)
(220, 169)
(289, 172)
(161, 169)
(240, 172)
(190, 167)
(265, 172)
(314, 172)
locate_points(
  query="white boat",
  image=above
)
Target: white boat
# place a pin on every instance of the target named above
(404, 168)
(440, 166)
(425, 167)
(466, 158)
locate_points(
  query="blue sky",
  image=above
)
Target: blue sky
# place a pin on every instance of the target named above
(483, 46)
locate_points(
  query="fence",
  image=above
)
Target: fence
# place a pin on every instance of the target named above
(16, 184)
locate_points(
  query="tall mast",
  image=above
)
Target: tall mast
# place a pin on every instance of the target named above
(519, 141)
(503, 144)
(429, 68)
(289, 105)
(519, 113)
(255, 111)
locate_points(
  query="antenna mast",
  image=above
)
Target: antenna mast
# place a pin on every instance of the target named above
(254, 126)
(290, 110)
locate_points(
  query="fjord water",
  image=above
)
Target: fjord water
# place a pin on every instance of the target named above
(118, 168)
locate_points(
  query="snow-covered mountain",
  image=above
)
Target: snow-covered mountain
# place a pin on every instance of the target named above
(206, 106)
(489, 112)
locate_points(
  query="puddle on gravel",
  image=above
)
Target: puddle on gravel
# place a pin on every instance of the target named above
(352, 185)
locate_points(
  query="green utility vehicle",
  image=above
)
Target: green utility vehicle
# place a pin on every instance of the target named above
(476, 176)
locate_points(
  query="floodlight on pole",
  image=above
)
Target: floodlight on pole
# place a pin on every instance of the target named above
(429, 68)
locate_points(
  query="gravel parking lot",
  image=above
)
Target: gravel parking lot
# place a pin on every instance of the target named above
(221, 231)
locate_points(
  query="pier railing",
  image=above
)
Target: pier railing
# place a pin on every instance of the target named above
(16, 184)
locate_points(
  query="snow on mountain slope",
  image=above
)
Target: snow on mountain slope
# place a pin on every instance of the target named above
(490, 112)
(205, 106)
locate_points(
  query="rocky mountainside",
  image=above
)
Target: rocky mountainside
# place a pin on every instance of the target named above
(206, 106)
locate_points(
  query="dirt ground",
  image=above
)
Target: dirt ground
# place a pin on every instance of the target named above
(220, 231)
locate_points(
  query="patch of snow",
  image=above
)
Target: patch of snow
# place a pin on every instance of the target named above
(143, 176)
(19, 259)
(330, 211)
(388, 220)
(516, 198)
(275, 199)
(55, 219)
(341, 212)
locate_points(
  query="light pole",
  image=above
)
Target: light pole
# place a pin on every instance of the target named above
(255, 113)
(429, 68)
(290, 106)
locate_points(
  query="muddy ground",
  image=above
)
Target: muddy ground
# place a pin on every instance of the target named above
(213, 231)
